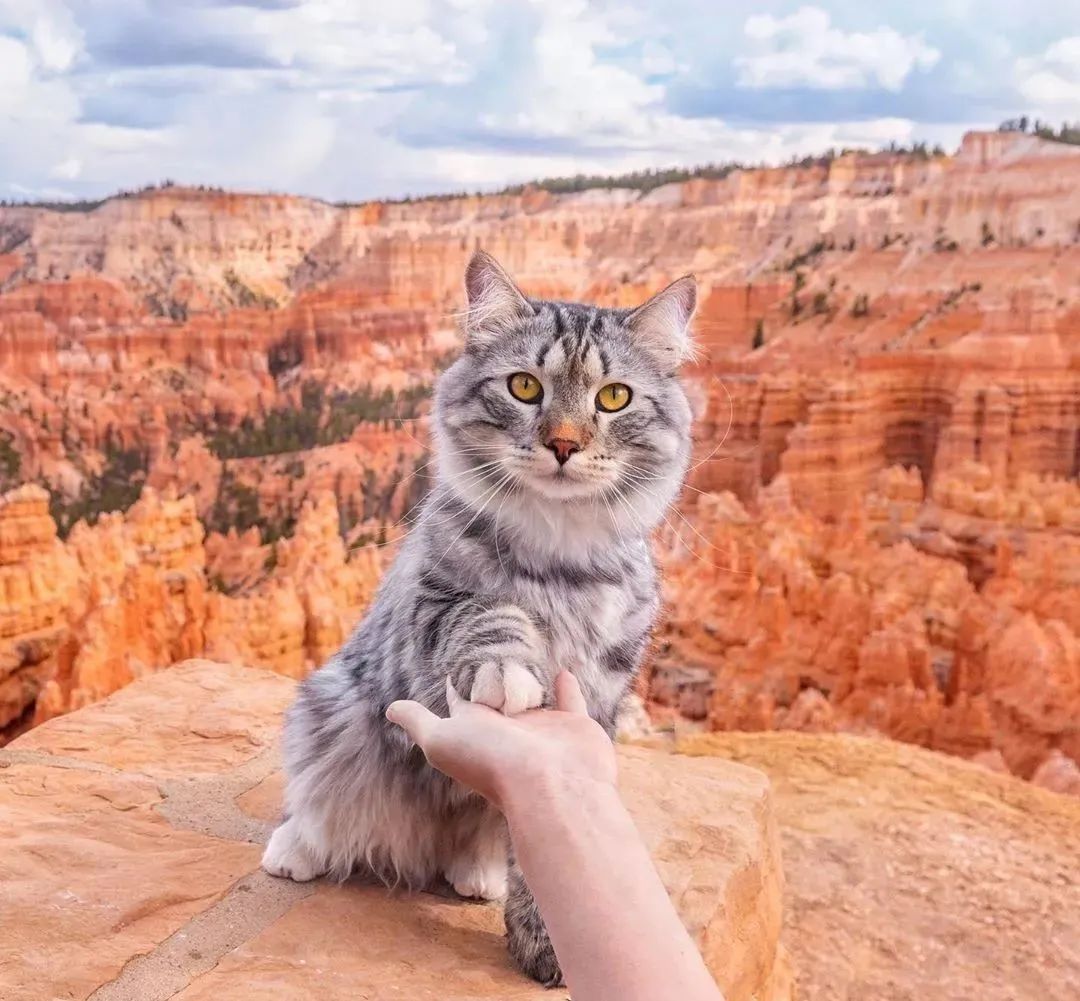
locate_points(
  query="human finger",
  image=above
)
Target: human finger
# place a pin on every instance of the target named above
(453, 699)
(568, 695)
(416, 720)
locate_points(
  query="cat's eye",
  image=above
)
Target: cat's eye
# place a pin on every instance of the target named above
(525, 387)
(613, 397)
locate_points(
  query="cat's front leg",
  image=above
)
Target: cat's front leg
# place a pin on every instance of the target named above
(496, 658)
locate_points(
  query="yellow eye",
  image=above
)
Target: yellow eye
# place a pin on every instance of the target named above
(525, 387)
(613, 397)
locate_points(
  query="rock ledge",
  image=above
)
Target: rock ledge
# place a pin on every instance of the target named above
(132, 835)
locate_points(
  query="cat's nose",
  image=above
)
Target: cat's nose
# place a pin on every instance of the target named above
(563, 448)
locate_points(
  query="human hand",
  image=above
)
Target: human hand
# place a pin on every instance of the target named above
(499, 756)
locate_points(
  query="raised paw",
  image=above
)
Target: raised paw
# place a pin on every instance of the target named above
(288, 856)
(506, 685)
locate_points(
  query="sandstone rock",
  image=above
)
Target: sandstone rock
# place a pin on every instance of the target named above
(89, 863)
(194, 720)
(37, 586)
(886, 407)
(130, 847)
(906, 869)
(1058, 773)
(129, 595)
(793, 622)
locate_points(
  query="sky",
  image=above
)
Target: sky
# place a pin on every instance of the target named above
(351, 99)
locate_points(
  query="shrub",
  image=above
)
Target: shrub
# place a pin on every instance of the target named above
(245, 296)
(319, 420)
(115, 488)
(10, 462)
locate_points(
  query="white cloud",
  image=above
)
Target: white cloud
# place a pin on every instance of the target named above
(1051, 81)
(565, 91)
(359, 98)
(50, 28)
(381, 44)
(805, 50)
(67, 169)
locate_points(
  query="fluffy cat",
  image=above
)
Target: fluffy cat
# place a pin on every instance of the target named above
(561, 435)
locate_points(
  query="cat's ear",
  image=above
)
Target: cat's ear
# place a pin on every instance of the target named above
(662, 325)
(495, 302)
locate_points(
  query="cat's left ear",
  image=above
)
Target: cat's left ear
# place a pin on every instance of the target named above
(662, 325)
(496, 304)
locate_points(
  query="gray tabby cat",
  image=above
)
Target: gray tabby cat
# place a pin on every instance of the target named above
(561, 433)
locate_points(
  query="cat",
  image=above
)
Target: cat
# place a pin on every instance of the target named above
(561, 434)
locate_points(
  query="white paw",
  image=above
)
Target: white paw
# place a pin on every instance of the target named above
(286, 855)
(507, 686)
(478, 880)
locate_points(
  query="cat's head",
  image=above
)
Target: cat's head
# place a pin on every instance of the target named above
(567, 403)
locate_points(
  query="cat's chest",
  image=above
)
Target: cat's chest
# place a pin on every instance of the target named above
(581, 625)
(582, 620)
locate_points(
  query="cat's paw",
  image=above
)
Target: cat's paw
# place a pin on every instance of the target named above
(476, 879)
(288, 856)
(536, 958)
(506, 685)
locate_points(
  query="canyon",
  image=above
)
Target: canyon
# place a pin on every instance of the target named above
(213, 429)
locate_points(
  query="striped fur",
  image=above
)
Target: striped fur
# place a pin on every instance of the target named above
(518, 567)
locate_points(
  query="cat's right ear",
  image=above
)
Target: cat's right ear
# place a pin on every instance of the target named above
(495, 303)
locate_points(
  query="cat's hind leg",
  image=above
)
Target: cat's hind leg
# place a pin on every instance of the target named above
(290, 855)
(475, 854)
(526, 935)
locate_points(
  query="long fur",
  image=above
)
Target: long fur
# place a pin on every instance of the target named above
(518, 567)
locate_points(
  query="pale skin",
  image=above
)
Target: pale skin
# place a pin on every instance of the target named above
(552, 774)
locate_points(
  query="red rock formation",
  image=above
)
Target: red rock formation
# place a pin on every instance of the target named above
(803, 624)
(131, 595)
(37, 587)
(889, 387)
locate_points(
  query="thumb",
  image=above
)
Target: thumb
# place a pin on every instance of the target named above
(568, 695)
(416, 720)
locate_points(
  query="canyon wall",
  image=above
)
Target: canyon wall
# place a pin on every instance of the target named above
(140, 590)
(881, 524)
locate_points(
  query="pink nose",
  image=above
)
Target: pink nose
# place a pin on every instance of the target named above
(563, 448)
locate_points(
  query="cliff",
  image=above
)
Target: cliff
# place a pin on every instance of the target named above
(888, 388)
(134, 593)
(165, 792)
(874, 624)
(137, 824)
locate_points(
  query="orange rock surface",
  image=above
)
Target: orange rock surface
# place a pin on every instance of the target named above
(165, 782)
(906, 869)
(37, 590)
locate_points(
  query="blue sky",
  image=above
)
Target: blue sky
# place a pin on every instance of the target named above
(350, 99)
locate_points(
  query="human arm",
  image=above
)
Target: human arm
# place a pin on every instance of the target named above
(552, 773)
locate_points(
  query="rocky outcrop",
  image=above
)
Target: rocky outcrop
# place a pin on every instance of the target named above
(905, 869)
(132, 594)
(874, 623)
(37, 589)
(163, 792)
